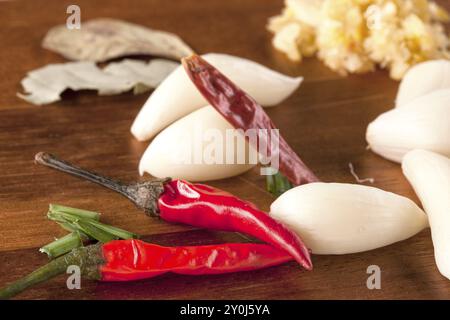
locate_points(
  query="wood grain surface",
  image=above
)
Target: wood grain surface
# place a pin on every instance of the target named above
(324, 121)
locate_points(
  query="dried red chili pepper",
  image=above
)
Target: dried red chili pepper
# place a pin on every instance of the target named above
(243, 112)
(129, 260)
(197, 205)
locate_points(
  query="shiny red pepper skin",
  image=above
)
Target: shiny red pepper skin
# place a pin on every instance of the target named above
(243, 112)
(207, 207)
(128, 260)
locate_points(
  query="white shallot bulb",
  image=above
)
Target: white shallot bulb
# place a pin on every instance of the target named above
(422, 79)
(429, 174)
(177, 96)
(423, 123)
(339, 218)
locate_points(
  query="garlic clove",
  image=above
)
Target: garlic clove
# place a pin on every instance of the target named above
(339, 218)
(423, 123)
(176, 96)
(429, 174)
(186, 149)
(422, 79)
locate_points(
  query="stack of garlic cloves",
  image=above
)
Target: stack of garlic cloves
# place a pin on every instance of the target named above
(416, 133)
(421, 119)
(189, 136)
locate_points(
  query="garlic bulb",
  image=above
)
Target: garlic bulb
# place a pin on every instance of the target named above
(339, 218)
(423, 123)
(429, 174)
(422, 79)
(177, 96)
(195, 148)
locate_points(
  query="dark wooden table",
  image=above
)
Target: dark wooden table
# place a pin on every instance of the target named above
(325, 122)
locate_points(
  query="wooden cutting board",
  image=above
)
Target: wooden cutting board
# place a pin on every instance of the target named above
(324, 121)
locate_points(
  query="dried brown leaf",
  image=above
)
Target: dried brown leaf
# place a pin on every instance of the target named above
(104, 38)
(45, 85)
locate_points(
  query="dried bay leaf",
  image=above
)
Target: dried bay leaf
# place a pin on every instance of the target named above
(141, 73)
(45, 85)
(104, 38)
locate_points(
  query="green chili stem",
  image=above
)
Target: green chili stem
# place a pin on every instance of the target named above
(66, 226)
(119, 233)
(277, 184)
(270, 184)
(94, 232)
(90, 227)
(87, 258)
(62, 217)
(71, 228)
(50, 270)
(63, 245)
(57, 208)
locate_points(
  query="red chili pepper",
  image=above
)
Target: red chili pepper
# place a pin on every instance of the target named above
(207, 207)
(197, 205)
(133, 259)
(128, 260)
(243, 112)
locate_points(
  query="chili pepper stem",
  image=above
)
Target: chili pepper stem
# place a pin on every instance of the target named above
(63, 245)
(87, 258)
(57, 208)
(277, 184)
(50, 270)
(90, 228)
(50, 160)
(143, 194)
